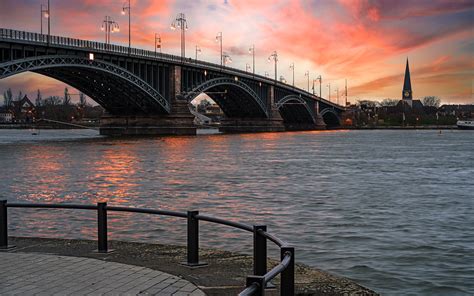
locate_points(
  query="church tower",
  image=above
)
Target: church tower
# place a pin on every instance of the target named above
(407, 93)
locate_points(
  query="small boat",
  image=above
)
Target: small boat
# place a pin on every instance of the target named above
(466, 124)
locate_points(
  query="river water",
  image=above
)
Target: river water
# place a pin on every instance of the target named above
(392, 210)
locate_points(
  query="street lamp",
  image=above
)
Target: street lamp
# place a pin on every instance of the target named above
(274, 57)
(198, 51)
(320, 78)
(337, 92)
(109, 26)
(219, 39)
(329, 92)
(252, 51)
(157, 42)
(126, 8)
(226, 59)
(306, 74)
(292, 67)
(46, 13)
(180, 22)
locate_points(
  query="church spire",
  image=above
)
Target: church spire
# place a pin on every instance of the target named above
(407, 92)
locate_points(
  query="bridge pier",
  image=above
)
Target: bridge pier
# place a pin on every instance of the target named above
(179, 122)
(254, 125)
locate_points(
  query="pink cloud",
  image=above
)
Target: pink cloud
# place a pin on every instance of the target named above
(354, 39)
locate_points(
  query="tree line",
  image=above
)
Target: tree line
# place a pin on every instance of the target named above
(429, 101)
(8, 99)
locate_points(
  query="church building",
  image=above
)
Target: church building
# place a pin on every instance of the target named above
(407, 104)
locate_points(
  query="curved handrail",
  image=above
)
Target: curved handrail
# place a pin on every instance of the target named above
(278, 269)
(225, 222)
(250, 290)
(52, 206)
(147, 211)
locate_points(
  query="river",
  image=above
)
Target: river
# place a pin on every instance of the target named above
(392, 210)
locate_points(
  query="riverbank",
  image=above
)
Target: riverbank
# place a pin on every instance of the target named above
(224, 275)
(399, 127)
(45, 126)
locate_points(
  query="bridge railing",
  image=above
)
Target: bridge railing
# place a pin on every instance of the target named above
(255, 283)
(10, 34)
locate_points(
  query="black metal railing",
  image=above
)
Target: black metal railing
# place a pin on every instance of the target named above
(255, 283)
(10, 34)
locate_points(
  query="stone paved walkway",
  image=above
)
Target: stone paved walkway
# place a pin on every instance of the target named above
(38, 274)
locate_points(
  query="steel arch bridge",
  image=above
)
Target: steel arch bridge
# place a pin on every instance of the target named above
(155, 88)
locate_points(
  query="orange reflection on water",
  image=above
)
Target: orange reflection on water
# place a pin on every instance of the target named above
(113, 180)
(44, 168)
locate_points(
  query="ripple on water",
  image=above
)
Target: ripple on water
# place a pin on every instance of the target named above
(391, 209)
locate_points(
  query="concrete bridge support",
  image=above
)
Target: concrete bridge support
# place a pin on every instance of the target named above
(179, 121)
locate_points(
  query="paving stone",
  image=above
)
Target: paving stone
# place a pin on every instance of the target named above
(40, 274)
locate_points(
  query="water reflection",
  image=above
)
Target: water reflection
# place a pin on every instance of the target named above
(114, 174)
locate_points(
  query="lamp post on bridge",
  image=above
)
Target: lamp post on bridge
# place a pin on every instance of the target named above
(157, 42)
(180, 22)
(46, 13)
(109, 26)
(292, 67)
(329, 92)
(320, 78)
(198, 51)
(219, 39)
(337, 96)
(274, 57)
(306, 74)
(127, 8)
(252, 51)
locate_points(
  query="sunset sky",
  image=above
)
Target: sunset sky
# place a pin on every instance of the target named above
(366, 42)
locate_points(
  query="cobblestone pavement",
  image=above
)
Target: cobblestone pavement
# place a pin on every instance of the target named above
(38, 274)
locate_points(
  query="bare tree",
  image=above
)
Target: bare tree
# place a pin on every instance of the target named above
(52, 101)
(39, 99)
(20, 96)
(82, 100)
(431, 101)
(8, 98)
(388, 102)
(67, 97)
(367, 103)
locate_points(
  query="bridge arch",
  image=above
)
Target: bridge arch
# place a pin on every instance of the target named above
(294, 109)
(114, 88)
(235, 98)
(330, 117)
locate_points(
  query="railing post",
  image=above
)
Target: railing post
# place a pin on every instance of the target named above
(193, 241)
(259, 250)
(4, 226)
(288, 275)
(102, 227)
(259, 280)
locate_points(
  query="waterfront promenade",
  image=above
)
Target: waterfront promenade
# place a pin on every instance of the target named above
(40, 274)
(143, 269)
